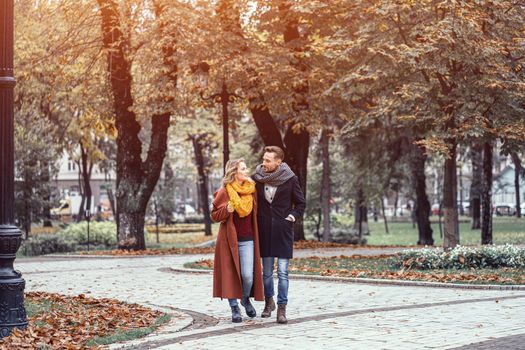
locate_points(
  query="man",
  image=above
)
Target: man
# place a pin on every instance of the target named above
(281, 202)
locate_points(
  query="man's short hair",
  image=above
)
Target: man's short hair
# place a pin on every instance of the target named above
(278, 151)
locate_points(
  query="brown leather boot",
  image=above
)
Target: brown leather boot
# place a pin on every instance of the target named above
(269, 306)
(281, 314)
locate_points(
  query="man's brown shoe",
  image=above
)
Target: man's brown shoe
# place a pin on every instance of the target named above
(269, 306)
(281, 314)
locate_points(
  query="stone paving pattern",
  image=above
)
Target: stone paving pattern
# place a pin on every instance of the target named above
(322, 314)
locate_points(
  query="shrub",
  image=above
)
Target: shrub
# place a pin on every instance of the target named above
(461, 258)
(100, 233)
(345, 235)
(47, 244)
(194, 219)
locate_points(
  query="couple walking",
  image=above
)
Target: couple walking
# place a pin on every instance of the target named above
(256, 216)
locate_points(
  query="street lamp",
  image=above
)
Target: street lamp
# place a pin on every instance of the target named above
(223, 98)
(88, 217)
(12, 311)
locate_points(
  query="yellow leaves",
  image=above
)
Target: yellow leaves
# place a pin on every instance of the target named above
(383, 27)
(99, 127)
(514, 132)
(406, 118)
(435, 145)
(105, 128)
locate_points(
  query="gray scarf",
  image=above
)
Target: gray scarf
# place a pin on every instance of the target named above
(282, 174)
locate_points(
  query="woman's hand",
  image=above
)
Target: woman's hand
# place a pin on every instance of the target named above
(229, 208)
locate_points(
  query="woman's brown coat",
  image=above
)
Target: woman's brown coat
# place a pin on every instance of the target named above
(226, 269)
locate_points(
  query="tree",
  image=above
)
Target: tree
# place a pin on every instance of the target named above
(202, 144)
(35, 155)
(163, 204)
(422, 205)
(426, 61)
(518, 170)
(486, 195)
(58, 64)
(136, 178)
(326, 188)
(476, 157)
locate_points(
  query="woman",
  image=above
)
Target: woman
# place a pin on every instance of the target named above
(237, 269)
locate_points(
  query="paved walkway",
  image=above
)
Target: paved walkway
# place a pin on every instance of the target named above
(325, 314)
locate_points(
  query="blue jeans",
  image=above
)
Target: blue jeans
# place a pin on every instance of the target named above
(282, 274)
(246, 262)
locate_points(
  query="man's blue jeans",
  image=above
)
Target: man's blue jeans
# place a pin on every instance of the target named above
(246, 261)
(282, 274)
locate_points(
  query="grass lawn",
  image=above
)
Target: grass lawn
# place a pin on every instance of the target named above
(505, 230)
(380, 267)
(179, 240)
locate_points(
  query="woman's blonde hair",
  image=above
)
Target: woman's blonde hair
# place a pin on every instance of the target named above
(230, 170)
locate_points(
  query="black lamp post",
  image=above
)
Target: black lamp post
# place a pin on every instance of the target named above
(223, 98)
(12, 311)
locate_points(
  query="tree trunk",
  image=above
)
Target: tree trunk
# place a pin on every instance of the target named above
(225, 100)
(46, 178)
(296, 146)
(517, 171)
(486, 195)
(297, 149)
(156, 208)
(28, 219)
(85, 169)
(476, 157)
(361, 217)
(422, 205)
(203, 181)
(450, 212)
(78, 217)
(326, 189)
(318, 225)
(111, 198)
(296, 143)
(129, 222)
(28, 199)
(384, 215)
(136, 179)
(396, 200)
(460, 180)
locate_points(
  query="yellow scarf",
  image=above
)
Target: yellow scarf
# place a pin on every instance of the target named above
(241, 198)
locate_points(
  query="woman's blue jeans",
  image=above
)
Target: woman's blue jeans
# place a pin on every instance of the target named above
(246, 262)
(282, 274)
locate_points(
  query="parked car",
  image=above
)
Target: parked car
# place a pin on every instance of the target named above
(182, 212)
(185, 209)
(466, 208)
(504, 209)
(69, 207)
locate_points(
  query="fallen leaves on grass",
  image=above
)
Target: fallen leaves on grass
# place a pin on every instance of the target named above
(61, 322)
(431, 276)
(168, 251)
(319, 245)
(360, 266)
(210, 250)
(176, 229)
